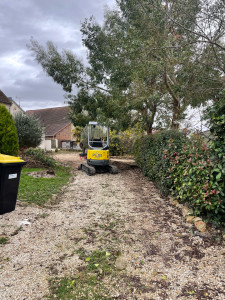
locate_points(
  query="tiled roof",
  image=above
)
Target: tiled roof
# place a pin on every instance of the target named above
(53, 119)
(4, 99)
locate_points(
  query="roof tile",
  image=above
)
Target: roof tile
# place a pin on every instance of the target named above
(53, 119)
(4, 99)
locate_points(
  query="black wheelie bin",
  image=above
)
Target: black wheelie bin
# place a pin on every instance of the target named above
(10, 169)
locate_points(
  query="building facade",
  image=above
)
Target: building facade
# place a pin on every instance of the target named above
(57, 128)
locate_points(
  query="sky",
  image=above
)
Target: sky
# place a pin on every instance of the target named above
(43, 20)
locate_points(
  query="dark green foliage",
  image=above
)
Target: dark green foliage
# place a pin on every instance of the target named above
(149, 152)
(196, 182)
(193, 171)
(8, 135)
(29, 130)
(41, 156)
(216, 114)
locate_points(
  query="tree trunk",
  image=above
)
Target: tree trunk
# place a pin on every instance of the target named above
(176, 103)
(149, 129)
(149, 120)
(176, 113)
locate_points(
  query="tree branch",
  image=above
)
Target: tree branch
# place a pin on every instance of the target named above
(96, 86)
(207, 39)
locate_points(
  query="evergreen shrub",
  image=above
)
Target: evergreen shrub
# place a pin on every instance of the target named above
(149, 153)
(195, 180)
(115, 145)
(123, 142)
(193, 171)
(8, 134)
(29, 130)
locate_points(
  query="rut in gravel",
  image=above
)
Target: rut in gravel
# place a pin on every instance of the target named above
(160, 255)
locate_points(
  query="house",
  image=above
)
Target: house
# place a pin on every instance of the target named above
(5, 100)
(58, 127)
(10, 104)
(15, 108)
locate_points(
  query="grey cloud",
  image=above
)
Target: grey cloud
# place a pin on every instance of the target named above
(55, 20)
(36, 92)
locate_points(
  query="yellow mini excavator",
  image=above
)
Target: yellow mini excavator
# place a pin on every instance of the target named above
(98, 150)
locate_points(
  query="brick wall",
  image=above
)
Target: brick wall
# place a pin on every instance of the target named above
(64, 135)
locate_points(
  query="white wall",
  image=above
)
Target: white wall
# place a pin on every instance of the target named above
(15, 109)
(47, 144)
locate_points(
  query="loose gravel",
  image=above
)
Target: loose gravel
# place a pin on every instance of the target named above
(162, 256)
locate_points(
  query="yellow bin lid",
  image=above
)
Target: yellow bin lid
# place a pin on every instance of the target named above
(7, 159)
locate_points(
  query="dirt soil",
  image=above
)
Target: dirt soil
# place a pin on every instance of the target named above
(162, 256)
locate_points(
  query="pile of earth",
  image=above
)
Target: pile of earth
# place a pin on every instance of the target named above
(43, 174)
(31, 162)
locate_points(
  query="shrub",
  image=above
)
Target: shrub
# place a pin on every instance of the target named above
(115, 147)
(77, 133)
(29, 130)
(194, 181)
(150, 154)
(217, 146)
(193, 171)
(123, 142)
(8, 135)
(84, 138)
(41, 156)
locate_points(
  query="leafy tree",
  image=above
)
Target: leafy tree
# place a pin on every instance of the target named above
(84, 139)
(8, 135)
(162, 54)
(149, 61)
(64, 68)
(116, 62)
(29, 130)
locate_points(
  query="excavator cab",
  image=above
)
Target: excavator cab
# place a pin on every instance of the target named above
(98, 150)
(98, 144)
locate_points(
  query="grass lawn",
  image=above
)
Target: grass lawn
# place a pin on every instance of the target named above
(40, 190)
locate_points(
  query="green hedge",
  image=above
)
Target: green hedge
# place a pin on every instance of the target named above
(191, 170)
(196, 183)
(149, 153)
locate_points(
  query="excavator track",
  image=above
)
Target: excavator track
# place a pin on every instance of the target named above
(89, 170)
(112, 169)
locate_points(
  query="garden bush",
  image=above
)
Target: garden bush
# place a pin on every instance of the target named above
(29, 130)
(195, 183)
(122, 143)
(216, 115)
(115, 146)
(191, 170)
(8, 134)
(41, 156)
(84, 138)
(150, 154)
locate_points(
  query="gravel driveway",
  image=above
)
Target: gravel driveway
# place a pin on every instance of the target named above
(161, 255)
